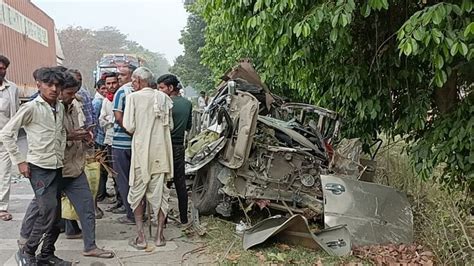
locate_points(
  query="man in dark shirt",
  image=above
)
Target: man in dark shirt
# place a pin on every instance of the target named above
(182, 120)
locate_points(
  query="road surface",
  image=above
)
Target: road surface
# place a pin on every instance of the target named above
(109, 234)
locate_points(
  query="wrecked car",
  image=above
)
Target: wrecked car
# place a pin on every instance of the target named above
(257, 150)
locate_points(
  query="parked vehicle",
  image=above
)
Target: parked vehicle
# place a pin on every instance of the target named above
(111, 62)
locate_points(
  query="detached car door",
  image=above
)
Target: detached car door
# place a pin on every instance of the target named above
(374, 214)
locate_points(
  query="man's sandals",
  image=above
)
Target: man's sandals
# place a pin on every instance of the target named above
(5, 216)
(99, 253)
(133, 242)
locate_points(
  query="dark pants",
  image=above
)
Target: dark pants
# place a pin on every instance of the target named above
(179, 180)
(119, 202)
(102, 192)
(31, 215)
(121, 163)
(45, 184)
(78, 192)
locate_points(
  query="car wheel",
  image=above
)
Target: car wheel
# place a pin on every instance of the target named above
(205, 195)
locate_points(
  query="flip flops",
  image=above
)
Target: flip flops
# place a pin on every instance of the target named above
(99, 253)
(133, 243)
(5, 216)
(111, 208)
(125, 220)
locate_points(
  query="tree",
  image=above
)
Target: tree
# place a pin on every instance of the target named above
(83, 47)
(403, 68)
(188, 66)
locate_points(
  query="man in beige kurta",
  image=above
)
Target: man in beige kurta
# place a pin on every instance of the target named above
(148, 116)
(9, 104)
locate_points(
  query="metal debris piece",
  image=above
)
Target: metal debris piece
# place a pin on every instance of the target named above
(374, 214)
(335, 241)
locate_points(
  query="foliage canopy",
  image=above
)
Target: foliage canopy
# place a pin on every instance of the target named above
(400, 67)
(188, 66)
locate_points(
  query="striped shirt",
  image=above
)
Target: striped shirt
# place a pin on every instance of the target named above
(98, 130)
(121, 140)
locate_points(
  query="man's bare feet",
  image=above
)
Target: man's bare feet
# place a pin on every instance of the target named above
(136, 243)
(160, 242)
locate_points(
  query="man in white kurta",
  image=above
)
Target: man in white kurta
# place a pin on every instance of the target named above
(9, 104)
(148, 116)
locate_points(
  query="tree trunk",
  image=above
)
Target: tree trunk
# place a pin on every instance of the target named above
(446, 97)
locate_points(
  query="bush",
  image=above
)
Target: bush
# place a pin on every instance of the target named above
(442, 218)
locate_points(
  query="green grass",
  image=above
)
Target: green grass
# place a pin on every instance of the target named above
(441, 217)
(222, 240)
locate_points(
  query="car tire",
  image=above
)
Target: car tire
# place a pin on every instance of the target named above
(205, 195)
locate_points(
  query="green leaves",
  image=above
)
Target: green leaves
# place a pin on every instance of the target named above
(252, 22)
(407, 48)
(419, 34)
(438, 15)
(333, 35)
(365, 10)
(440, 78)
(329, 53)
(302, 28)
(464, 50)
(439, 61)
(297, 29)
(334, 20)
(434, 28)
(257, 6)
(378, 4)
(469, 30)
(454, 49)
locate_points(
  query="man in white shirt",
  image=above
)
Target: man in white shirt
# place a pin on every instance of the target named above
(202, 101)
(9, 104)
(42, 120)
(106, 121)
(148, 117)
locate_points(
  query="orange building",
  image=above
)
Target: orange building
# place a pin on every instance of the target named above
(28, 38)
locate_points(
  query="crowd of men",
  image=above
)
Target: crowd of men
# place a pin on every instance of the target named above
(138, 120)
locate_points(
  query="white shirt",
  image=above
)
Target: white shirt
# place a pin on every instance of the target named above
(201, 103)
(9, 101)
(106, 120)
(45, 134)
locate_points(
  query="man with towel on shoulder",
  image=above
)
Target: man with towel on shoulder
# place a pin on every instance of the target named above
(148, 117)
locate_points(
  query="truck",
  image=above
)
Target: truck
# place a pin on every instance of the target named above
(111, 62)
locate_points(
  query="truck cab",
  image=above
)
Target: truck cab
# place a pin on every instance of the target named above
(112, 62)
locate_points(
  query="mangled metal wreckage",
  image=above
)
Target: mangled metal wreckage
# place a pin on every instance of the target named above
(258, 150)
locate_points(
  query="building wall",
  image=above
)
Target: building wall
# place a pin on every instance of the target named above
(27, 38)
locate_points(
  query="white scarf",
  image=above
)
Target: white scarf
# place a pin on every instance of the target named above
(162, 107)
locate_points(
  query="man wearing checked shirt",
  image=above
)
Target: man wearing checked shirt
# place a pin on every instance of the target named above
(87, 108)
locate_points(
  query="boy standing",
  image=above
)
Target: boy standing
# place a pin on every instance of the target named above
(42, 120)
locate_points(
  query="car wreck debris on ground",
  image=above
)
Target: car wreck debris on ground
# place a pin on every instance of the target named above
(257, 151)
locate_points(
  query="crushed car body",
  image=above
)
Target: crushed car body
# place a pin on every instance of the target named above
(256, 149)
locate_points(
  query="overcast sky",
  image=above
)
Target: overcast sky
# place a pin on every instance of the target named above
(155, 24)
